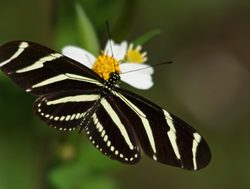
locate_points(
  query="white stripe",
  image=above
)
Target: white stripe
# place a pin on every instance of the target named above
(67, 117)
(22, 46)
(40, 62)
(51, 80)
(82, 78)
(101, 130)
(196, 141)
(56, 118)
(73, 117)
(142, 117)
(62, 118)
(99, 126)
(62, 77)
(117, 121)
(78, 115)
(154, 157)
(172, 134)
(76, 98)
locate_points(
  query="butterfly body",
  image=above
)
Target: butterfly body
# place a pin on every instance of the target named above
(119, 123)
(109, 84)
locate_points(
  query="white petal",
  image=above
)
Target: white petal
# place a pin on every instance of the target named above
(107, 49)
(118, 51)
(80, 55)
(137, 68)
(138, 80)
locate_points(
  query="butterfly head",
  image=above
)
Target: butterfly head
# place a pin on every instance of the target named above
(114, 77)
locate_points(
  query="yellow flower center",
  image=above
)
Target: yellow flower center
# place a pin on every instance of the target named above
(104, 65)
(134, 55)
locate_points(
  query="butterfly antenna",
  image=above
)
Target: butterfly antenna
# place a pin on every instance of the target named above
(109, 39)
(155, 65)
(102, 75)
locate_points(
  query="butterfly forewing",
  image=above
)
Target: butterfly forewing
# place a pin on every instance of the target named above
(40, 70)
(162, 136)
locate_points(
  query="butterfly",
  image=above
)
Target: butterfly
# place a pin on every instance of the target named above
(119, 123)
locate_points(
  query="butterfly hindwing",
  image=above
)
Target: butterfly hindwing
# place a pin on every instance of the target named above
(65, 110)
(162, 136)
(40, 70)
(111, 133)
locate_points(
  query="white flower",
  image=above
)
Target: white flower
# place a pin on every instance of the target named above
(116, 57)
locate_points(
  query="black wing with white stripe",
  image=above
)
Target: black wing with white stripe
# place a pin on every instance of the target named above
(111, 132)
(40, 70)
(119, 123)
(163, 136)
(66, 110)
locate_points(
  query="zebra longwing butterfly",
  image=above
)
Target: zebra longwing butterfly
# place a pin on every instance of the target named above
(119, 123)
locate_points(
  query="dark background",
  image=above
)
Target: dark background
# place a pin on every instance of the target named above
(208, 86)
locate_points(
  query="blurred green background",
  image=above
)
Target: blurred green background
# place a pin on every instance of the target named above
(208, 86)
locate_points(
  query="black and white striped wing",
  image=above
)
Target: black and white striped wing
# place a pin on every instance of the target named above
(66, 110)
(111, 132)
(40, 70)
(66, 88)
(106, 126)
(162, 136)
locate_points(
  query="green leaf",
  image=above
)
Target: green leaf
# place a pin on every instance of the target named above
(100, 182)
(147, 37)
(87, 35)
(89, 170)
(67, 176)
(91, 157)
